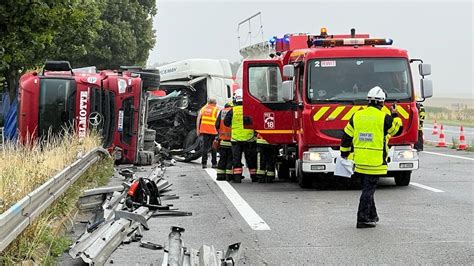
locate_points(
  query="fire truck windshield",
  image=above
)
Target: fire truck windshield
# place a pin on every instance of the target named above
(349, 79)
(56, 105)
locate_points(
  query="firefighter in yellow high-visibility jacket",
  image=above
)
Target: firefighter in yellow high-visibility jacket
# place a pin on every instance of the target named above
(366, 135)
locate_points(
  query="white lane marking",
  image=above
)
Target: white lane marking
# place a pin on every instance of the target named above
(449, 155)
(250, 216)
(425, 187)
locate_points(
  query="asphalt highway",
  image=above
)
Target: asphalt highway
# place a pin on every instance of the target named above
(428, 222)
(450, 132)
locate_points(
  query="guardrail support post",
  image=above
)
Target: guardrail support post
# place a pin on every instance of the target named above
(175, 246)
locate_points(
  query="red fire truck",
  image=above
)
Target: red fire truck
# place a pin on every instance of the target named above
(114, 102)
(303, 95)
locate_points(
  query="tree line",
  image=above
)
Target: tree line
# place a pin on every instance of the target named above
(101, 33)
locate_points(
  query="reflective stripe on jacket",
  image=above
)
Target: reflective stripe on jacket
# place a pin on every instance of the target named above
(208, 120)
(239, 133)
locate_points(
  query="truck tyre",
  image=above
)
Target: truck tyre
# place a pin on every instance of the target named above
(192, 140)
(149, 146)
(150, 81)
(150, 135)
(402, 178)
(145, 158)
(304, 180)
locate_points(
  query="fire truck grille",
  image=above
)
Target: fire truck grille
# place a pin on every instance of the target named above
(335, 133)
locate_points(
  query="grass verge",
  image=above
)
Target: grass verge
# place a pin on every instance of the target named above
(45, 240)
(23, 168)
(449, 117)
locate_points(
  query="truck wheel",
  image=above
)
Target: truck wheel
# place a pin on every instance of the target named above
(403, 178)
(150, 135)
(191, 140)
(145, 158)
(304, 180)
(149, 146)
(150, 81)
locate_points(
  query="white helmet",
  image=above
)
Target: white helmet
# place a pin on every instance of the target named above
(376, 94)
(238, 95)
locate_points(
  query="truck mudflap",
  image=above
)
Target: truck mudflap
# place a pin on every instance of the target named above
(322, 159)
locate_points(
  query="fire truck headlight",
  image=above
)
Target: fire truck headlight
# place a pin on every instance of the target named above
(406, 154)
(316, 156)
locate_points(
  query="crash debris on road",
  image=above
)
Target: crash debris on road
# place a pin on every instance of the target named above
(121, 214)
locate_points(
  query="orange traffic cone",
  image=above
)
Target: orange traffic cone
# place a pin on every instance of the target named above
(462, 140)
(435, 129)
(441, 140)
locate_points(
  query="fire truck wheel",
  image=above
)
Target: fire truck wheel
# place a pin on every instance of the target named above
(403, 178)
(150, 135)
(304, 179)
(284, 170)
(150, 81)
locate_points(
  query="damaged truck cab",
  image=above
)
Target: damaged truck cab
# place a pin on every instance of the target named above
(187, 84)
(112, 102)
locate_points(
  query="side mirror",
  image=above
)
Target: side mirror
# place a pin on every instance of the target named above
(426, 88)
(424, 69)
(288, 71)
(287, 90)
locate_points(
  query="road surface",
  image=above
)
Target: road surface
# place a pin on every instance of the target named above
(450, 132)
(428, 222)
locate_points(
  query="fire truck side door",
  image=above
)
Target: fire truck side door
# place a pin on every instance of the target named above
(262, 92)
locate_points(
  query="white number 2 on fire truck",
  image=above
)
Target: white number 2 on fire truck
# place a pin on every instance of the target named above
(269, 120)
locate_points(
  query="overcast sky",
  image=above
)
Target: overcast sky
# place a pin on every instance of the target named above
(441, 33)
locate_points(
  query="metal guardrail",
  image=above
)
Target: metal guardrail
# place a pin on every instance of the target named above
(2, 136)
(19, 216)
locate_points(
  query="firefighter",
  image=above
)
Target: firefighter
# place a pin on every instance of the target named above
(224, 166)
(206, 128)
(421, 118)
(266, 157)
(367, 135)
(243, 140)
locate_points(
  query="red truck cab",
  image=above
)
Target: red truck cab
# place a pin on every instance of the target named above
(304, 95)
(112, 102)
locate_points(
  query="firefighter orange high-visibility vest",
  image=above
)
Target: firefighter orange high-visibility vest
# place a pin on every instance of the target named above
(224, 131)
(208, 120)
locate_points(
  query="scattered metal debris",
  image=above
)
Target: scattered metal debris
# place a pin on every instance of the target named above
(115, 223)
(177, 254)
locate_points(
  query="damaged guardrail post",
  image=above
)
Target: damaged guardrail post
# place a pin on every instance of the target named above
(175, 246)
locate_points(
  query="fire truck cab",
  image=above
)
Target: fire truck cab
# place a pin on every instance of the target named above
(304, 94)
(112, 102)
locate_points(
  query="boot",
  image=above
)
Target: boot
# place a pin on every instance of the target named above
(254, 178)
(220, 177)
(237, 178)
(261, 178)
(270, 179)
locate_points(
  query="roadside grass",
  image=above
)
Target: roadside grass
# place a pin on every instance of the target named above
(446, 116)
(46, 239)
(23, 169)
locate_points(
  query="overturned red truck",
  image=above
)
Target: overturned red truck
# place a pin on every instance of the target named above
(304, 93)
(113, 102)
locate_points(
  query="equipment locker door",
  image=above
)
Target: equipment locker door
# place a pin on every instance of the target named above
(262, 92)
